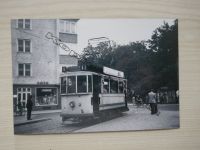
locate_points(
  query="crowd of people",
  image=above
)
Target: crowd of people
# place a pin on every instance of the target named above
(153, 98)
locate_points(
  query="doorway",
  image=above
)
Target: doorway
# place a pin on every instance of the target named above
(96, 92)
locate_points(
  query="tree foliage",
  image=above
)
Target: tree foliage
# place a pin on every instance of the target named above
(146, 64)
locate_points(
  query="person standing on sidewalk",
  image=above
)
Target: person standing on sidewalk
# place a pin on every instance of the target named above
(152, 102)
(29, 106)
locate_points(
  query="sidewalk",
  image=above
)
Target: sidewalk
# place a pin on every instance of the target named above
(138, 119)
(37, 116)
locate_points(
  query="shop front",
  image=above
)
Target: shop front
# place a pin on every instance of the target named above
(44, 97)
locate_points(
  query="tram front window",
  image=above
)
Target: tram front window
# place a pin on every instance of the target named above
(71, 84)
(81, 84)
(113, 86)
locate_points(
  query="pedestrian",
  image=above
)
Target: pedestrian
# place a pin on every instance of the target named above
(29, 106)
(152, 102)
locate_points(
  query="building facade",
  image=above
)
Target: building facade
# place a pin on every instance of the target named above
(37, 61)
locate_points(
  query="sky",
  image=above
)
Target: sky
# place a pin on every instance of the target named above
(122, 31)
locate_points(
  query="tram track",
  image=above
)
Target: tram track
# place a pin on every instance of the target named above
(92, 121)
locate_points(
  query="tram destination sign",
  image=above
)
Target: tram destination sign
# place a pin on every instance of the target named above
(113, 72)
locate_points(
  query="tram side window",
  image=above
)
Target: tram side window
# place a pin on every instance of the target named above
(106, 86)
(71, 84)
(81, 84)
(121, 87)
(63, 85)
(89, 83)
(113, 86)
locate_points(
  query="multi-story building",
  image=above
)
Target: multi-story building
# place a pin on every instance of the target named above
(37, 60)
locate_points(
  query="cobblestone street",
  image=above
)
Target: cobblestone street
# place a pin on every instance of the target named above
(134, 119)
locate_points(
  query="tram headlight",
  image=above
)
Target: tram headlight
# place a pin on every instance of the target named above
(72, 104)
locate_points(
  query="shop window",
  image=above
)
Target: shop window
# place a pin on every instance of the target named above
(71, 84)
(81, 84)
(46, 96)
(113, 86)
(89, 83)
(106, 86)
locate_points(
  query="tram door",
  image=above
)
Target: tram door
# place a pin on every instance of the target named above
(96, 91)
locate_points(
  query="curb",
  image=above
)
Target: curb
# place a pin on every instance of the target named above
(31, 121)
(39, 112)
(45, 112)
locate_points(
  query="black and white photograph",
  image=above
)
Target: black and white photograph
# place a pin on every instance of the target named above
(94, 75)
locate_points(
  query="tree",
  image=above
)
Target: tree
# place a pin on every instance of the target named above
(146, 64)
(164, 59)
(101, 55)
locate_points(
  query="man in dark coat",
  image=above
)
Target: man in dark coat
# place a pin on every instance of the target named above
(29, 106)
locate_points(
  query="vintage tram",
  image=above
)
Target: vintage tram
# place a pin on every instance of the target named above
(91, 92)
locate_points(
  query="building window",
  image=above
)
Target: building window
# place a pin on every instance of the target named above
(46, 96)
(27, 69)
(24, 69)
(27, 24)
(22, 96)
(24, 23)
(24, 45)
(20, 23)
(73, 27)
(67, 26)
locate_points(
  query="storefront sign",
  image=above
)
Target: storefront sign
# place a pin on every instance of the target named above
(42, 83)
(113, 72)
(46, 90)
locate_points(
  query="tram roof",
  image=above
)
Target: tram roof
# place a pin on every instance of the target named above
(91, 70)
